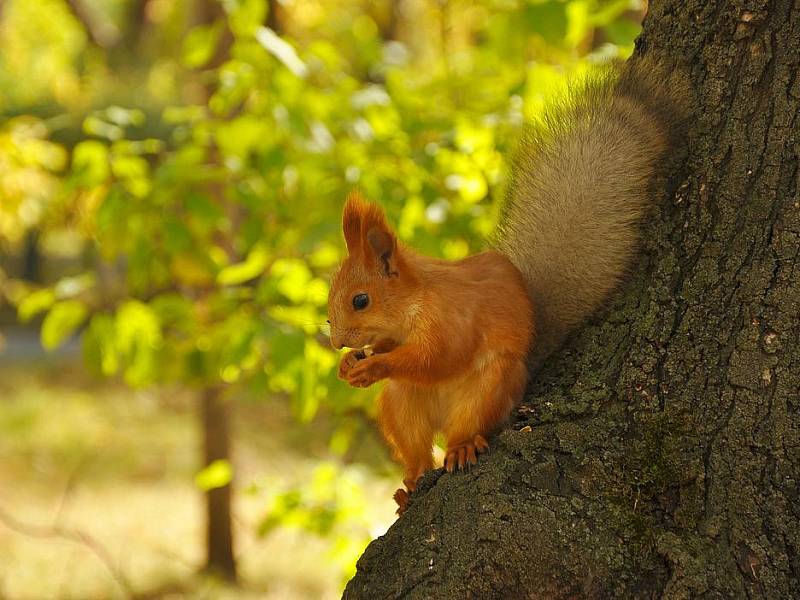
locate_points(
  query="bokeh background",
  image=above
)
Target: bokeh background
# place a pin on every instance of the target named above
(171, 179)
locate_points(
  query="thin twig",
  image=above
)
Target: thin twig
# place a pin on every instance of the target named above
(72, 480)
(72, 535)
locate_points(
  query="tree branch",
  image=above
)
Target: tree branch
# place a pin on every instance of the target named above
(103, 35)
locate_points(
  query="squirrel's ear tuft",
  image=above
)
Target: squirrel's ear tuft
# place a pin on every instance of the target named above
(351, 222)
(368, 235)
(384, 249)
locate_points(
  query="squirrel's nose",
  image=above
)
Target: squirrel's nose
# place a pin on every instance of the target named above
(336, 341)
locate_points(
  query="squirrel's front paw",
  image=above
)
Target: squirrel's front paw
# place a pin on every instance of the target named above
(366, 372)
(463, 455)
(349, 360)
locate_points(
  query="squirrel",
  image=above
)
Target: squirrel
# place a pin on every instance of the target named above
(457, 340)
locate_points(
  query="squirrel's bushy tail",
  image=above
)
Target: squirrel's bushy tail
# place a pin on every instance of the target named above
(582, 180)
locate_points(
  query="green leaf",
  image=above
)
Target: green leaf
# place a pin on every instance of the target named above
(172, 309)
(61, 322)
(579, 22)
(325, 256)
(90, 162)
(130, 167)
(138, 338)
(99, 345)
(244, 16)
(125, 117)
(200, 44)
(240, 136)
(70, 287)
(283, 506)
(134, 171)
(177, 236)
(281, 50)
(251, 267)
(292, 276)
(216, 475)
(34, 303)
(548, 19)
(97, 126)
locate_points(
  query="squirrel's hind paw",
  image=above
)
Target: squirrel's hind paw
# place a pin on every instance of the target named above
(464, 455)
(402, 498)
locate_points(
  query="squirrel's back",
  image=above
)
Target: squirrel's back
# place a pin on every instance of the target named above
(582, 180)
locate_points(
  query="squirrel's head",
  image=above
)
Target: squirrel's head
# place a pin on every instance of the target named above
(371, 292)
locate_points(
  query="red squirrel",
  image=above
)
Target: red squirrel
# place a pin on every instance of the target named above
(455, 340)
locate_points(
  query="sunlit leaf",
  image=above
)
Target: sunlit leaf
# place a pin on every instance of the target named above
(96, 126)
(241, 136)
(578, 21)
(99, 345)
(124, 117)
(292, 276)
(183, 114)
(61, 322)
(325, 256)
(250, 268)
(34, 303)
(69, 287)
(281, 50)
(216, 475)
(90, 162)
(138, 338)
(245, 16)
(200, 44)
(544, 81)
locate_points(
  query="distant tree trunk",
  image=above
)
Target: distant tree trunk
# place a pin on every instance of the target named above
(32, 258)
(216, 411)
(216, 440)
(663, 454)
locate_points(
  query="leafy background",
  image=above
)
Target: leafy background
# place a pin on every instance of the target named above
(171, 179)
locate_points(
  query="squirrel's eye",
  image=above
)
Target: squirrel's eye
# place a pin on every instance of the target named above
(360, 301)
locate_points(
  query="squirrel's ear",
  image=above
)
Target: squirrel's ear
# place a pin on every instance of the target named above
(351, 222)
(384, 247)
(368, 236)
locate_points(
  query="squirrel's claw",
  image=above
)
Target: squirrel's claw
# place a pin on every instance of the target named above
(464, 455)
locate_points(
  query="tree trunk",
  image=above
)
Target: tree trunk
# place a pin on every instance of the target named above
(216, 441)
(664, 443)
(216, 411)
(32, 258)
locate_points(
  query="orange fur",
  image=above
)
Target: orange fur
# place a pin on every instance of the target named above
(450, 337)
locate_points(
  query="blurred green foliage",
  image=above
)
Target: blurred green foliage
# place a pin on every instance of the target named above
(193, 162)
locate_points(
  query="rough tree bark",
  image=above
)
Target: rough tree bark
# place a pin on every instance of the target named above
(663, 453)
